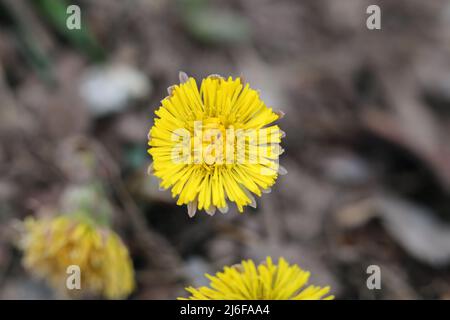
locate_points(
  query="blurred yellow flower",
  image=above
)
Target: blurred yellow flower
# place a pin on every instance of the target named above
(51, 245)
(215, 145)
(266, 281)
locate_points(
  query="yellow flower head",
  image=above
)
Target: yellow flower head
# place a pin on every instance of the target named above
(215, 145)
(264, 282)
(52, 245)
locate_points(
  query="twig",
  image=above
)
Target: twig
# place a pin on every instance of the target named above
(156, 249)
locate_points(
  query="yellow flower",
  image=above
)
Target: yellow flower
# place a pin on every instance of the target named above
(215, 145)
(265, 282)
(51, 245)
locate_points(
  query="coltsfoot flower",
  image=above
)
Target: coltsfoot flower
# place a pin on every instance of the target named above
(50, 246)
(215, 145)
(266, 281)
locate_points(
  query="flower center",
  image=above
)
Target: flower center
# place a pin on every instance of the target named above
(210, 142)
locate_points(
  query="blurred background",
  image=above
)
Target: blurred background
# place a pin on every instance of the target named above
(367, 145)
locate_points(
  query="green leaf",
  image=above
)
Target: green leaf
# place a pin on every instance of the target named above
(212, 25)
(55, 13)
